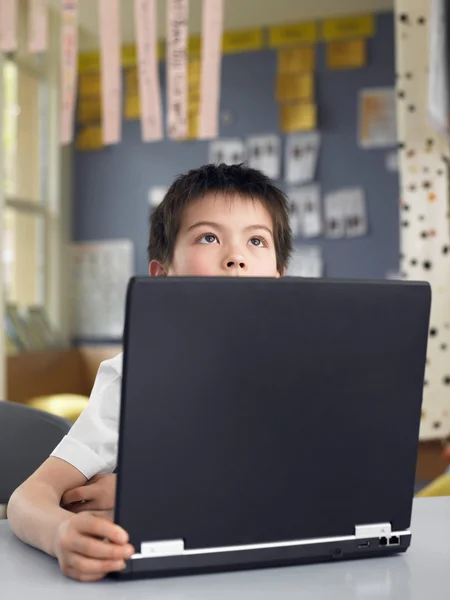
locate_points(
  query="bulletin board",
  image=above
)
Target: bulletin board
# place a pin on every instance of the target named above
(113, 185)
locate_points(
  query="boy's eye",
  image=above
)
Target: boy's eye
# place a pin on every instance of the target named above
(258, 242)
(208, 239)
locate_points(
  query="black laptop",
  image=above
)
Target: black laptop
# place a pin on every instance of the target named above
(268, 422)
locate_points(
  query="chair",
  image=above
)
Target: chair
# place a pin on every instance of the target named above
(27, 438)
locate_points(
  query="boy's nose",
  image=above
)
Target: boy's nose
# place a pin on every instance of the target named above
(235, 263)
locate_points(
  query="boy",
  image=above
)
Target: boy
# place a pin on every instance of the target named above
(214, 221)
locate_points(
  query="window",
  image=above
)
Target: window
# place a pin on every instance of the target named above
(24, 184)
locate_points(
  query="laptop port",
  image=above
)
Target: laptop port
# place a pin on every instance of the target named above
(383, 541)
(394, 540)
(364, 544)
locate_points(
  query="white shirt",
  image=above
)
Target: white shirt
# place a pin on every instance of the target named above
(91, 444)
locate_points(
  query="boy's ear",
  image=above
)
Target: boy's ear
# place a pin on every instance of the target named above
(156, 269)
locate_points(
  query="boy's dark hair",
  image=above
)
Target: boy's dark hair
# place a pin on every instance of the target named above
(227, 179)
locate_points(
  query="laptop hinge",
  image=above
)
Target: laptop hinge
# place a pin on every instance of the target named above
(375, 530)
(163, 548)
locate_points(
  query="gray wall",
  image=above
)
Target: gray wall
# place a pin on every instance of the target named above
(111, 186)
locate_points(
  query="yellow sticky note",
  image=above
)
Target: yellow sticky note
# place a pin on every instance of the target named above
(193, 73)
(297, 33)
(348, 54)
(131, 80)
(348, 27)
(132, 107)
(129, 56)
(89, 110)
(89, 84)
(90, 138)
(298, 116)
(89, 61)
(161, 50)
(298, 86)
(245, 40)
(299, 59)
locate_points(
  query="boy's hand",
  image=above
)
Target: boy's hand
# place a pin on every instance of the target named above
(82, 551)
(99, 493)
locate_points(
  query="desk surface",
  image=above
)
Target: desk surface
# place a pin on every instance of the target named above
(423, 572)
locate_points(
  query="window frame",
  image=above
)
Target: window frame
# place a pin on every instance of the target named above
(55, 197)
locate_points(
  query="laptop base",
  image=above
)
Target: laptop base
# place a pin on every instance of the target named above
(211, 562)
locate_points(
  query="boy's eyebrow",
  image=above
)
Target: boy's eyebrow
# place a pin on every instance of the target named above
(254, 227)
(205, 224)
(218, 226)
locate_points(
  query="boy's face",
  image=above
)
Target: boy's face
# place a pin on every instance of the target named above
(223, 236)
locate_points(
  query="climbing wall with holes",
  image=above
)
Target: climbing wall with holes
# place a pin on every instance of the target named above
(424, 181)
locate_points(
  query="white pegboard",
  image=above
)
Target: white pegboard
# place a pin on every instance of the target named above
(424, 210)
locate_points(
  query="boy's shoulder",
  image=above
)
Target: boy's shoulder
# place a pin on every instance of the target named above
(112, 366)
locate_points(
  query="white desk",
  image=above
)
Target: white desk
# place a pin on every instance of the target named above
(420, 574)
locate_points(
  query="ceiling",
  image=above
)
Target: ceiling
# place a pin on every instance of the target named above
(238, 14)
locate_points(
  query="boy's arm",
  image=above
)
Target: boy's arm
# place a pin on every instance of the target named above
(76, 540)
(34, 511)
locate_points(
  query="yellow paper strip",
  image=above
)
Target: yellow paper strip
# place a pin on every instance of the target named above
(348, 27)
(193, 73)
(298, 86)
(294, 60)
(89, 110)
(194, 45)
(348, 54)
(193, 108)
(194, 95)
(298, 33)
(298, 116)
(89, 85)
(246, 40)
(90, 138)
(193, 121)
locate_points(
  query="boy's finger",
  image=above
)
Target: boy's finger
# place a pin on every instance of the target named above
(100, 526)
(93, 566)
(93, 548)
(76, 495)
(78, 507)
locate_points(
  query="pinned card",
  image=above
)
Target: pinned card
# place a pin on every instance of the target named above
(345, 213)
(306, 261)
(355, 212)
(228, 151)
(306, 211)
(334, 216)
(302, 151)
(156, 195)
(263, 153)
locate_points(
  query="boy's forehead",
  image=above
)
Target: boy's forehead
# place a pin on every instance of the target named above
(215, 205)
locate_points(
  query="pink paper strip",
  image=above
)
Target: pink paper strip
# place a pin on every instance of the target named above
(8, 25)
(37, 26)
(111, 76)
(69, 68)
(177, 39)
(147, 55)
(212, 25)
